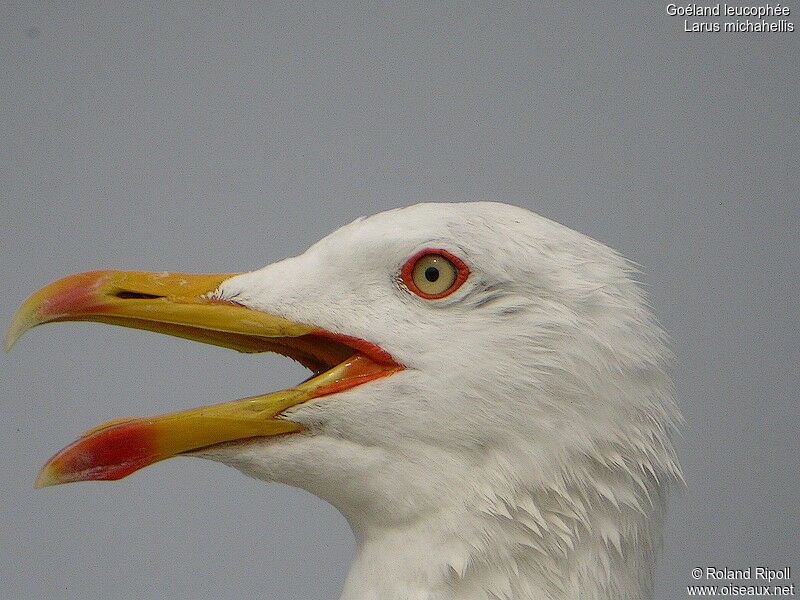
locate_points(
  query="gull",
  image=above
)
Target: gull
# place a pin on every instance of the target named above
(489, 405)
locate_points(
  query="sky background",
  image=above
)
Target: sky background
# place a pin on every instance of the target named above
(221, 137)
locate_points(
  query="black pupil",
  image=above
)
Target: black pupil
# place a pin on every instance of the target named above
(431, 274)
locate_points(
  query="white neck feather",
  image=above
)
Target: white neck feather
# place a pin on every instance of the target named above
(592, 538)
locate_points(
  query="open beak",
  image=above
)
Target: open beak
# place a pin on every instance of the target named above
(185, 306)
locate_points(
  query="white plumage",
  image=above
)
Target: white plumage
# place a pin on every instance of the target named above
(524, 452)
(498, 427)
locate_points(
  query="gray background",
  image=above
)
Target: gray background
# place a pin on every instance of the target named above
(209, 138)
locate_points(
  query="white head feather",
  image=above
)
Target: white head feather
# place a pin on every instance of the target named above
(524, 452)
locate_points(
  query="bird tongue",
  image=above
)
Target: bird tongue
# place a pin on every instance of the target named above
(117, 449)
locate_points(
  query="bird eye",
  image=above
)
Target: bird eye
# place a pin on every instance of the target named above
(434, 274)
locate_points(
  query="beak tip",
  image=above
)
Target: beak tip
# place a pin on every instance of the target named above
(12, 335)
(25, 319)
(46, 478)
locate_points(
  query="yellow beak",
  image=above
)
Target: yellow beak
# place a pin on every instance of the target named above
(184, 305)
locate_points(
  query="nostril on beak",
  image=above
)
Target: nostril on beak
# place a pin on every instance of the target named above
(126, 295)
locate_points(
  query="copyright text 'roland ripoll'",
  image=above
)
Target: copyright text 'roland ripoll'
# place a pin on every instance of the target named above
(724, 582)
